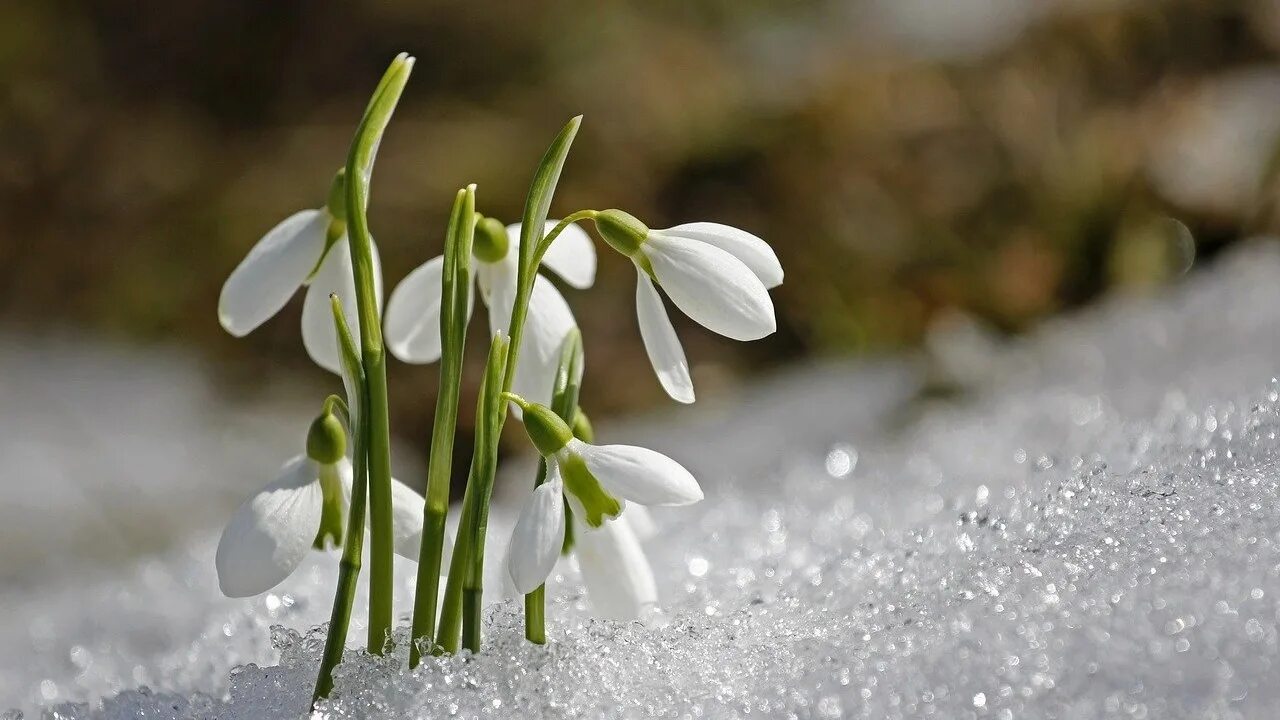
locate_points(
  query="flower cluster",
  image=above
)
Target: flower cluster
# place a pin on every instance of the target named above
(589, 500)
(597, 482)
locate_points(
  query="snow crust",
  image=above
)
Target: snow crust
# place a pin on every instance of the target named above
(1089, 530)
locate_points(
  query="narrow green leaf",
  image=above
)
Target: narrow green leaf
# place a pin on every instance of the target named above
(352, 370)
(564, 398)
(353, 546)
(364, 148)
(453, 330)
(543, 188)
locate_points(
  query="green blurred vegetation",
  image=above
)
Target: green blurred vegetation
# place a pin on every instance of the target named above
(1007, 158)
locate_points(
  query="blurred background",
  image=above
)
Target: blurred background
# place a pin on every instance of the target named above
(911, 161)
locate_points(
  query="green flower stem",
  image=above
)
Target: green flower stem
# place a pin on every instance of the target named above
(464, 583)
(550, 237)
(455, 292)
(353, 545)
(449, 631)
(535, 603)
(487, 467)
(537, 206)
(463, 590)
(337, 406)
(360, 160)
(564, 403)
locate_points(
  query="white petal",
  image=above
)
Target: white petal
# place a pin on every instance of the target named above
(572, 255)
(271, 532)
(346, 473)
(272, 271)
(546, 327)
(615, 570)
(661, 342)
(751, 250)
(713, 287)
(538, 536)
(413, 314)
(639, 474)
(548, 321)
(641, 521)
(334, 276)
(506, 587)
(406, 521)
(406, 515)
(497, 283)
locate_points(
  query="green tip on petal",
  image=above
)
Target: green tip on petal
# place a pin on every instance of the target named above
(596, 505)
(332, 514)
(326, 440)
(622, 230)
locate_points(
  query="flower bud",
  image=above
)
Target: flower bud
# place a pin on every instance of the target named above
(337, 203)
(622, 230)
(491, 244)
(326, 440)
(548, 432)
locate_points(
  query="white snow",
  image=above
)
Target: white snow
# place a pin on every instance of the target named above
(1090, 531)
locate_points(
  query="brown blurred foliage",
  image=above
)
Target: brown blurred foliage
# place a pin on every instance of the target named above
(1008, 158)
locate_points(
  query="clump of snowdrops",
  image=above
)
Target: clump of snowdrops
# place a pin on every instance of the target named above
(587, 499)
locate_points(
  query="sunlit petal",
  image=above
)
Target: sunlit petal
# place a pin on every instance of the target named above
(639, 474)
(272, 271)
(406, 521)
(413, 314)
(548, 324)
(497, 283)
(641, 521)
(713, 287)
(406, 515)
(538, 536)
(615, 571)
(751, 250)
(666, 354)
(572, 255)
(269, 535)
(334, 276)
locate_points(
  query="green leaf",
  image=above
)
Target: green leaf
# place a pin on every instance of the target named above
(374, 123)
(568, 382)
(543, 189)
(352, 369)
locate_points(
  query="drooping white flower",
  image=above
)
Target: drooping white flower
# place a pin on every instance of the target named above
(615, 570)
(597, 481)
(413, 312)
(538, 535)
(268, 536)
(308, 248)
(718, 275)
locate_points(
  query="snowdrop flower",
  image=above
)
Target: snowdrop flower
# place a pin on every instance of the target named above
(596, 480)
(718, 275)
(615, 570)
(304, 508)
(307, 248)
(413, 312)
